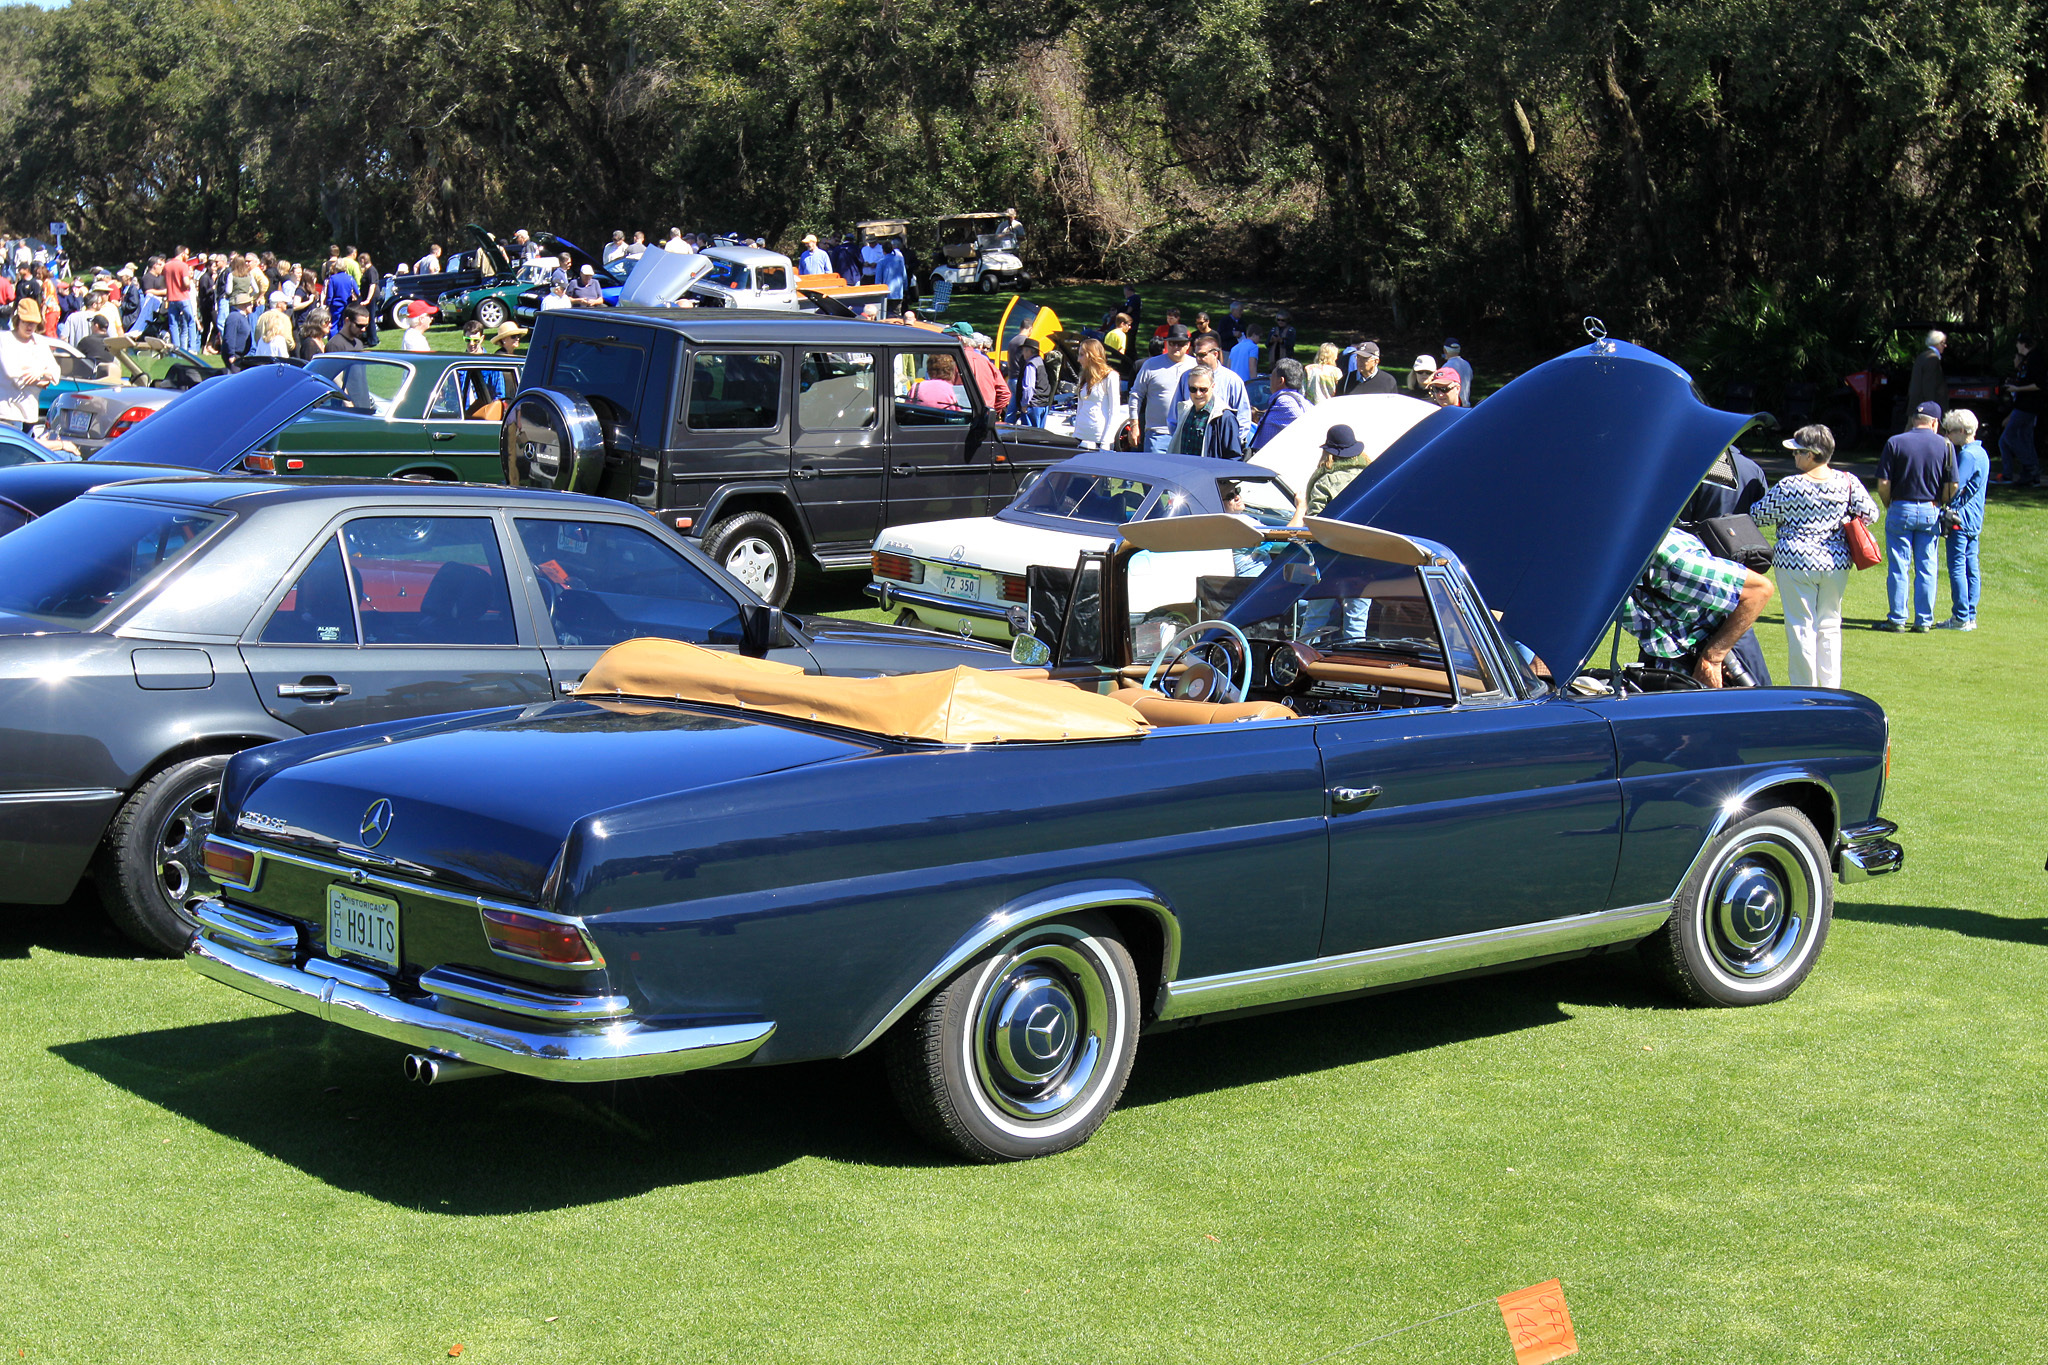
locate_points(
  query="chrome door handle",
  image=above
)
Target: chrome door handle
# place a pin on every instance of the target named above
(906, 470)
(1343, 799)
(807, 471)
(312, 691)
(569, 686)
(441, 435)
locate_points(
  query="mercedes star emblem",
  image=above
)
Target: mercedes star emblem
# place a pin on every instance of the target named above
(376, 822)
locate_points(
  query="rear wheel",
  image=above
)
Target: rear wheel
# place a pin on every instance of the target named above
(150, 869)
(1751, 919)
(491, 312)
(754, 548)
(395, 317)
(1026, 1050)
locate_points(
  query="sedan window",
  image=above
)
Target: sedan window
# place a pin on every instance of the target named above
(429, 581)
(82, 561)
(370, 385)
(1084, 497)
(473, 393)
(316, 611)
(604, 583)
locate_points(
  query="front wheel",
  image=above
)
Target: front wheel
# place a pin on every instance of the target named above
(987, 284)
(754, 548)
(150, 870)
(395, 315)
(1026, 1050)
(491, 312)
(1750, 920)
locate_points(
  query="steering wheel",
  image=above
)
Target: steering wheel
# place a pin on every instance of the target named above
(1207, 680)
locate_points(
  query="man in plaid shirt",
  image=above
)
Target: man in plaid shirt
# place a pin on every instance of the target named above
(1691, 608)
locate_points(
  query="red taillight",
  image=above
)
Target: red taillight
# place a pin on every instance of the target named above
(127, 420)
(260, 464)
(541, 940)
(229, 865)
(900, 567)
(1012, 588)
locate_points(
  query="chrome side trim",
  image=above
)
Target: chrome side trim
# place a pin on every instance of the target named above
(1736, 805)
(1021, 915)
(1868, 851)
(626, 1050)
(1406, 962)
(888, 594)
(363, 876)
(58, 794)
(453, 983)
(257, 934)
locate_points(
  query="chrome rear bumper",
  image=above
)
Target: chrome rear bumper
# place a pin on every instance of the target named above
(1867, 851)
(472, 1017)
(891, 596)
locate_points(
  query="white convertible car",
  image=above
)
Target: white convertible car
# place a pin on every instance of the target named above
(963, 576)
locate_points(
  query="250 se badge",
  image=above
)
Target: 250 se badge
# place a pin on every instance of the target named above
(1316, 766)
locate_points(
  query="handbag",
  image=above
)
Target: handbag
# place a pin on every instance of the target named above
(1735, 538)
(1863, 552)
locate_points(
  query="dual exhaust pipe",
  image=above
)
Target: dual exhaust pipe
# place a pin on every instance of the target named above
(431, 1068)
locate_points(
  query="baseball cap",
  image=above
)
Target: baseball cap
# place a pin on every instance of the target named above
(1371, 348)
(1451, 346)
(1343, 443)
(29, 310)
(419, 308)
(586, 270)
(965, 329)
(1424, 362)
(1930, 409)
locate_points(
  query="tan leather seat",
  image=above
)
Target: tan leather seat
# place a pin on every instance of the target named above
(1164, 711)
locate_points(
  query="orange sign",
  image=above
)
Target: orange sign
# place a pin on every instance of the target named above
(1539, 1323)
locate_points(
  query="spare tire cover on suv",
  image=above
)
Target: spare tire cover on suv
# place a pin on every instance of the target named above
(553, 440)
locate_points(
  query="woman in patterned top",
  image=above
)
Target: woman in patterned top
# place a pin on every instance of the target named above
(1812, 558)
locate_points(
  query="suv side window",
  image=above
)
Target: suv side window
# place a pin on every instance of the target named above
(835, 391)
(735, 391)
(601, 369)
(930, 389)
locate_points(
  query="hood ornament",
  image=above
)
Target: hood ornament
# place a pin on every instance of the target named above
(376, 822)
(1597, 330)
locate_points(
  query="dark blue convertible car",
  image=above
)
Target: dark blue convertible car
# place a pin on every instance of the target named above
(1353, 755)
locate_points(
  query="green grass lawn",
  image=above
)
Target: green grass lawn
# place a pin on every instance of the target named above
(1852, 1175)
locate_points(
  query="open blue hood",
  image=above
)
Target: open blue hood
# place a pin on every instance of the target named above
(212, 425)
(1554, 491)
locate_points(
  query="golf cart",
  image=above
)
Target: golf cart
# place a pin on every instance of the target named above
(976, 252)
(878, 232)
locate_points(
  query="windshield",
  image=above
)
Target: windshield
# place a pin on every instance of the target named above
(729, 274)
(88, 557)
(1084, 497)
(366, 385)
(1279, 591)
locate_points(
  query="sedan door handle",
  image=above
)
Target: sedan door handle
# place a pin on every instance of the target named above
(569, 686)
(441, 435)
(310, 690)
(1346, 799)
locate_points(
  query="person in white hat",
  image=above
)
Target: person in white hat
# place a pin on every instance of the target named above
(586, 292)
(813, 261)
(1419, 374)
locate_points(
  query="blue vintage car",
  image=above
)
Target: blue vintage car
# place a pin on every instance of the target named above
(1342, 775)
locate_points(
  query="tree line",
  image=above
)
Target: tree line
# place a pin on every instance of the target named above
(1775, 180)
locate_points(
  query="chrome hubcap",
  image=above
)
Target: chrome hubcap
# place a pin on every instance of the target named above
(180, 865)
(1758, 909)
(752, 561)
(1039, 1039)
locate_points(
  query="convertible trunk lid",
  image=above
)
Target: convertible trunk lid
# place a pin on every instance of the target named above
(211, 426)
(1554, 491)
(486, 801)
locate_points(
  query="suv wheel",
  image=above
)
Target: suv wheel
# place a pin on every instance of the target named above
(753, 547)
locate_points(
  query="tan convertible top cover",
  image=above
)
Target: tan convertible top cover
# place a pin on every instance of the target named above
(958, 706)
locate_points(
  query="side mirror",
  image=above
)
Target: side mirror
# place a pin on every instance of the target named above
(761, 629)
(1030, 652)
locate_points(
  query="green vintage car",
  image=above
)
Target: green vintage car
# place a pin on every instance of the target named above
(399, 413)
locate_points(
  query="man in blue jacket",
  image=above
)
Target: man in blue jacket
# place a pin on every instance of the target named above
(1964, 520)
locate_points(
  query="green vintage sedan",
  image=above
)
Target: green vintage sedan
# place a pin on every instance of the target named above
(399, 413)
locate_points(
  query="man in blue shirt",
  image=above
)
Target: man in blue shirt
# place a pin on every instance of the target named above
(1965, 518)
(1454, 359)
(1916, 477)
(238, 328)
(1244, 357)
(813, 261)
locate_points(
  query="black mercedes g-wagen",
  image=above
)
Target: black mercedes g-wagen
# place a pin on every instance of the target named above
(767, 435)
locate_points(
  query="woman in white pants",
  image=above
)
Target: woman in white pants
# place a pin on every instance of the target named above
(1812, 558)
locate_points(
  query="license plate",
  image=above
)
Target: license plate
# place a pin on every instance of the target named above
(963, 585)
(78, 423)
(362, 925)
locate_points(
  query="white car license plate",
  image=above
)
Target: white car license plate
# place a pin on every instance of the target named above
(362, 925)
(963, 585)
(78, 423)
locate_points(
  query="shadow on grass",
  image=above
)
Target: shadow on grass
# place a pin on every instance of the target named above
(79, 927)
(1970, 923)
(1266, 1047)
(332, 1103)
